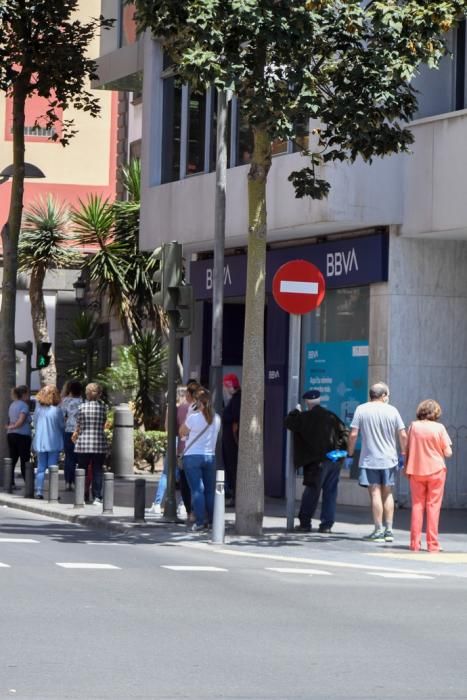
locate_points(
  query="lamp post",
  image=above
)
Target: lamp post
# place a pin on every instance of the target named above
(30, 171)
(80, 289)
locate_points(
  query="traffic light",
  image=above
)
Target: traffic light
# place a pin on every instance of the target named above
(169, 275)
(43, 355)
(185, 308)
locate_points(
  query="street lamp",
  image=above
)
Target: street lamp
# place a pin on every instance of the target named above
(80, 288)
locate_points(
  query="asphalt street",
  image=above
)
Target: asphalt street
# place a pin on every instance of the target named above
(90, 615)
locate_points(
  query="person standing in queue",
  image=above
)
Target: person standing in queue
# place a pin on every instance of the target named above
(200, 432)
(49, 426)
(19, 429)
(230, 434)
(381, 428)
(428, 444)
(317, 432)
(90, 439)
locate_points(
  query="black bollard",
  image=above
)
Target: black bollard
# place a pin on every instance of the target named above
(108, 493)
(8, 474)
(80, 475)
(140, 500)
(29, 480)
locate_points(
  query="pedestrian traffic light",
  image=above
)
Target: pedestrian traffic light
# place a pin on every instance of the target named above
(43, 355)
(169, 275)
(185, 309)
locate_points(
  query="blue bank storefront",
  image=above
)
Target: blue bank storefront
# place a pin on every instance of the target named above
(334, 338)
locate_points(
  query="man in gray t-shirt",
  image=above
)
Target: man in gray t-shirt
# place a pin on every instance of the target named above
(380, 428)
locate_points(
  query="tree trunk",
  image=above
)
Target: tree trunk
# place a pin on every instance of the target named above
(250, 477)
(39, 321)
(10, 236)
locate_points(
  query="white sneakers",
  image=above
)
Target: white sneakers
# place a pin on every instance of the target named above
(155, 509)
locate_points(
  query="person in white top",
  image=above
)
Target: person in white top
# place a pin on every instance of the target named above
(200, 431)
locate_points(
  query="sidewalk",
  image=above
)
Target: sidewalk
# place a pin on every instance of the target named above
(345, 543)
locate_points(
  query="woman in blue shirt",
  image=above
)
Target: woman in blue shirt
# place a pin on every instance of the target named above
(49, 425)
(19, 429)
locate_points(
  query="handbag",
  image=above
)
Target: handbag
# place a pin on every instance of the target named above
(180, 456)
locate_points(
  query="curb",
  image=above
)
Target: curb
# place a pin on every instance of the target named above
(99, 522)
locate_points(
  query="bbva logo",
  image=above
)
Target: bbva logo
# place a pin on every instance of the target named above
(341, 263)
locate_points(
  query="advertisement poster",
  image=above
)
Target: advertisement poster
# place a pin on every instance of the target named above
(340, 372)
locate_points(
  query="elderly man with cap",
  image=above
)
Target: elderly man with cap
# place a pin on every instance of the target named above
(317, 432)
(230, 429)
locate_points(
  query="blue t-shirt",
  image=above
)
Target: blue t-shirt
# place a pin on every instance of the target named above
(16, 409)
(49, 425)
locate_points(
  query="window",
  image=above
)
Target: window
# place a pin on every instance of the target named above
(35, 125)
(245, 141)
(196, 132)
(171, 131)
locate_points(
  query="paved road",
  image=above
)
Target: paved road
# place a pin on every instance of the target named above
(86, 615)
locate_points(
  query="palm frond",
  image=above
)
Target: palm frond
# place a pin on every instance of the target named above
(93, 221)
(45, 240)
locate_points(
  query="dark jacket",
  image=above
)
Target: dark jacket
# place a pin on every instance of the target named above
(315, 432)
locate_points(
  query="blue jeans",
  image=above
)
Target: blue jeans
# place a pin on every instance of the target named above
(327, 480)
(44, 461)
(162, 485)
(200, 471)
(70, 458)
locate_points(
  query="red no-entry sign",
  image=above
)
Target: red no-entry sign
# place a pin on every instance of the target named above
(298, 287)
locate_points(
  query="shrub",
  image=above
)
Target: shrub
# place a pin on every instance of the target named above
(150, 445)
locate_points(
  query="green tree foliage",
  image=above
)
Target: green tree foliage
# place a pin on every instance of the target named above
(138, 375)
(45, 244)
(43, 51)
(346, 64)
(121, 272)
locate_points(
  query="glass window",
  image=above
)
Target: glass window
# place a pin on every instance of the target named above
(196, 132)
(278, 147)
(245, 140)
(345, 314)
(300, 141)
(171, 131)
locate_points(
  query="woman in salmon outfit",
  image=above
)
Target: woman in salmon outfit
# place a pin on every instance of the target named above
(427, 446)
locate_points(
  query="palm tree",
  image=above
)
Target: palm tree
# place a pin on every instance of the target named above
(120, 271)
(44, 244)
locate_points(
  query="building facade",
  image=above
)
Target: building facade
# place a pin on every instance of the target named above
(87, 165)
(390, 240)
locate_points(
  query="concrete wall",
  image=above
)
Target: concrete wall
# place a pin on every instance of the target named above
(427, 339)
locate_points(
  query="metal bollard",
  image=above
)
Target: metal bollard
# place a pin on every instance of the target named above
(108, 493)
(140, 500)
(123, 451)
(29, 480)
(53, 484)
(8, 474)
(218, 521)
(79, 488)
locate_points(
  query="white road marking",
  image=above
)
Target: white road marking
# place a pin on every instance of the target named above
(310, 572)
(4, 566)
(108, 544)
(391, 574)
(17, 540)
(294, 560)
(291, 287)
(83, 565)
(192, 568)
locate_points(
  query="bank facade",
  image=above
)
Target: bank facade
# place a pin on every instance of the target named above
(390, 240)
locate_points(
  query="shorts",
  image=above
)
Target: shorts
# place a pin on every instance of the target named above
(377, 477)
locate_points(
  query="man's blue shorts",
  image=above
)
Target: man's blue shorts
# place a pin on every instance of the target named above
(377, 477)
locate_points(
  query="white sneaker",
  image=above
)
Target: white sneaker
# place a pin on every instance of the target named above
(181, 511)
(97, 502)
(155, 509)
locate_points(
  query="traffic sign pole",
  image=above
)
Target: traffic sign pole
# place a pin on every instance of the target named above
(298, 287)
(293, 380)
